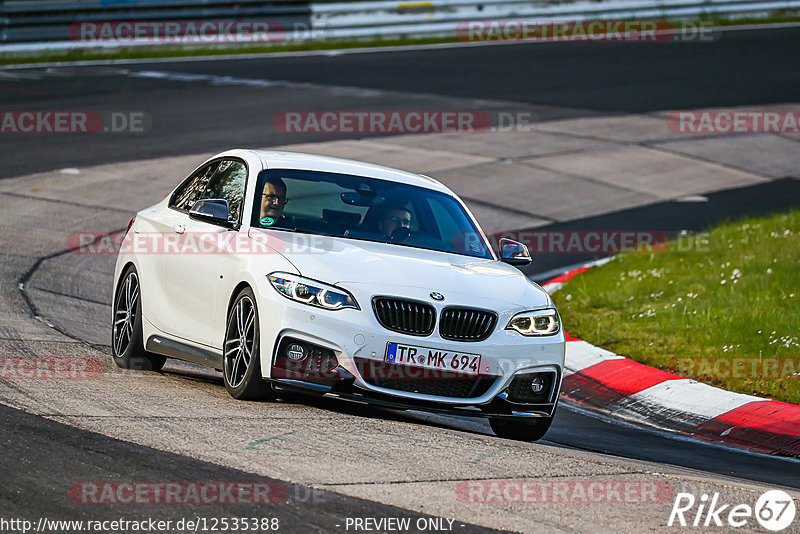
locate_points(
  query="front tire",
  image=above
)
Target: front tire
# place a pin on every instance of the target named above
(127, 348)
(521, 430)
(241, 351)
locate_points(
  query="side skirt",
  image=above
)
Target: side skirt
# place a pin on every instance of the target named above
(176, 349)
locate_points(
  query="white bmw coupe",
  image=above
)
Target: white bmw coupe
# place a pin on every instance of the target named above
(297, 272)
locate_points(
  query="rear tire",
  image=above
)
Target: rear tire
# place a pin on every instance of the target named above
(521, 430)
(241, 351)
(127, 347)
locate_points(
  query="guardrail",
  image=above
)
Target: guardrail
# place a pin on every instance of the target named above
(24, 21)
(442, 17)
(50, 20)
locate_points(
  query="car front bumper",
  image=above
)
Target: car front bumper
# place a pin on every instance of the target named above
(356, 338)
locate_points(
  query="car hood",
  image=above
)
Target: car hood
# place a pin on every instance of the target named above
(382, 267)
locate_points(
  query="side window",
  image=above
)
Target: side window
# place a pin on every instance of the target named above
(228, 183)
(190, 191)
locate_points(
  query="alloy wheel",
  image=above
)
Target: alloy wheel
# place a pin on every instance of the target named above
(240, 339)
(125, 313)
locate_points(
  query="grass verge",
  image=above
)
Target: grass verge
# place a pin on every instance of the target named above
(723, 308)
(167, 51)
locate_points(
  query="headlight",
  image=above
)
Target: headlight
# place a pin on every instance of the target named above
(312, 292)
(536, 323)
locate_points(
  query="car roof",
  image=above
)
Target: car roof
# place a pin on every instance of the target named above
(280, 159)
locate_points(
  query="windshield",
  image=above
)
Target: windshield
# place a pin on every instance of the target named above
(362, 208)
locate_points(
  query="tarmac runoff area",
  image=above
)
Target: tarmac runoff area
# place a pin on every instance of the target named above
(561, 171)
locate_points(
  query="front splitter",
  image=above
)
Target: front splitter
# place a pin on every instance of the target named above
(498, 409)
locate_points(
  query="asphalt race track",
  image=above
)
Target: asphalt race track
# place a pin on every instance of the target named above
(232, 103)
(29, 436)
(207, 106)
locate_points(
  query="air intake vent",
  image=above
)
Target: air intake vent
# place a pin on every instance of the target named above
(406, 316)
(425, 381)
(466, 324)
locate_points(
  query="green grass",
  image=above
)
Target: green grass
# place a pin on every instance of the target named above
(723, 308)
(741, 21)
(168, 51)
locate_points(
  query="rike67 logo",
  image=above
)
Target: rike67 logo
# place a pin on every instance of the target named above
(774, 510)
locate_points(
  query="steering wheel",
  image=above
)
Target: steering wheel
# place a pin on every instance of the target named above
(400, 234)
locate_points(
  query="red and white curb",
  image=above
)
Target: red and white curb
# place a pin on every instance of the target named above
(604, 381)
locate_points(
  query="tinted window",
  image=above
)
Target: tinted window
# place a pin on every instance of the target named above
(224, 179)
(191, 189)
(367, 209)
(227, 182)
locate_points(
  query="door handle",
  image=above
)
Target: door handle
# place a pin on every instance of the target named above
(179, 228)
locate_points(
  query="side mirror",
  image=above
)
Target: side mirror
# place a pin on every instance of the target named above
(213, 210)
(514, 253)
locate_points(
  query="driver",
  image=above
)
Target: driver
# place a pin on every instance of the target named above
(394, 218)
(273, 200)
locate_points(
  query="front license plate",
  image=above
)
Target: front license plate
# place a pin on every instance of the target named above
(426, 357)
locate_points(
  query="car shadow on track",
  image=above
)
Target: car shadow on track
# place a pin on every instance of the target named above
(195, 373)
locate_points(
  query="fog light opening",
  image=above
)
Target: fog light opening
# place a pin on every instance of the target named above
(537, 385)
(532, 387)
(295, 352)
(296, 359)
